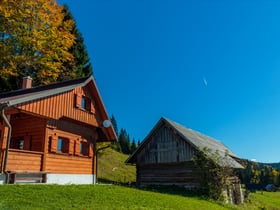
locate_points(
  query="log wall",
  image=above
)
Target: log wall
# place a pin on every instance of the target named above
(180, 174)
(19, 160)
(31, 129)
(65, 164)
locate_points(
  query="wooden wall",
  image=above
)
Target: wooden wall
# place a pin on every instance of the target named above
(179, 174)
(71, 162)
(31, 128)
(65, 164)
(19, 160)
(64, 105)
(165, 146)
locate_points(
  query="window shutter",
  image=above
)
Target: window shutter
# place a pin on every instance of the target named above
(65, 145)
(92, 108)
(90, 146)
(85, 148)
(78, 100)
(71, 146)
(77, 147)
(88, 104)
(53, 143)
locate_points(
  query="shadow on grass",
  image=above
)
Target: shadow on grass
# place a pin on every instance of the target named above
(172, 190)
(176, 190)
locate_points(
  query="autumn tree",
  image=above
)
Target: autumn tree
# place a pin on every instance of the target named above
(34, 41)
(81, 66)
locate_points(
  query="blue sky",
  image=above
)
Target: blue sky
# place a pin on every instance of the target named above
(213, 66)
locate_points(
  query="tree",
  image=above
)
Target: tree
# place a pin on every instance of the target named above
(133, 146)
(124, 141)
(34, 41)
(81, 65)
(115, 145)
(114, 124)
(214, 177)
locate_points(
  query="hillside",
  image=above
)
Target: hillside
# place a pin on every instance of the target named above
(87, 197)
(274, 165)
(112, 168)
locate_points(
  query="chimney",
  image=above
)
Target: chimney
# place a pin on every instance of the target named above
(26, 82)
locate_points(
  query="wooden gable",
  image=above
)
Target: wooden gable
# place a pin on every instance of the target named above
(165, 146)
(65, 105)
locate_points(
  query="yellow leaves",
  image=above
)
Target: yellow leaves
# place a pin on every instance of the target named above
(36, 39)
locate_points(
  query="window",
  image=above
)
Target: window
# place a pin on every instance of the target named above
(17, 143)
(62, 145)
(84, 148)
(59, 144)
(84, 103)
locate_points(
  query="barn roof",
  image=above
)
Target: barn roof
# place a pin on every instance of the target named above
(197, 140)
(14, 98)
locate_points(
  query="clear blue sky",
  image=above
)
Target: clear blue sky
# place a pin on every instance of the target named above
(213, 66)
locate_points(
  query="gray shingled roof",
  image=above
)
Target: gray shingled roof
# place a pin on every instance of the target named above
(24, 95)
(199, 141)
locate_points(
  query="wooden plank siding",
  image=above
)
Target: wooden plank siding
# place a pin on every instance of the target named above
(31, 129)
(63, 105)
(180, 174)
(66, 164)
(166, 160)
(21, 160)
(165, 146)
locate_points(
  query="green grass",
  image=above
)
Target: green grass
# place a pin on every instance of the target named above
(262, 200)
(94, 197)
(86, 197)
(112, 167)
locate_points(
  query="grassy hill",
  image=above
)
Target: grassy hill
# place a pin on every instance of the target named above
(87, 197)
(112, 168)
(109, 196)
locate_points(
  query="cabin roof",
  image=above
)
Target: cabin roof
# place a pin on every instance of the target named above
(13, 98)
(25, 95)
(197, 140)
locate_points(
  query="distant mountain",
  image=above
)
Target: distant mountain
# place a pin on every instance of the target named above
(273, 165)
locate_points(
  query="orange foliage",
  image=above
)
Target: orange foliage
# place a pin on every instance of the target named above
(34, 39)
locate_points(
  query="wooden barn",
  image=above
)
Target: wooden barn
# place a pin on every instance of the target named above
(49, 133)
(165, 156)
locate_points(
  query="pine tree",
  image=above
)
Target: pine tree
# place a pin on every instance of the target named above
(115, 125)
(34, 41)
(133, 146)
(81, 65)
(124, 141)
(115, 145)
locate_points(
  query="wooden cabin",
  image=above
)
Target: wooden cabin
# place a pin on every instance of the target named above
(49, 133)
(165, 156)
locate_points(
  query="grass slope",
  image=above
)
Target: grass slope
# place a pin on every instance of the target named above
(94, 197)
(112, 167)
(87, 197)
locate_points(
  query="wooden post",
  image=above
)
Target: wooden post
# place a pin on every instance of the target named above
(45, 148)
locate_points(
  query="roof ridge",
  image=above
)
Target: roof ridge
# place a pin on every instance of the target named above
(43, 87)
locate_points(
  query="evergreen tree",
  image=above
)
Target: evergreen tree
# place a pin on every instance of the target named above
(81, 66)
(115, 145)
(124, 141)
(115, 125)
(133, 146)
(138, 143)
